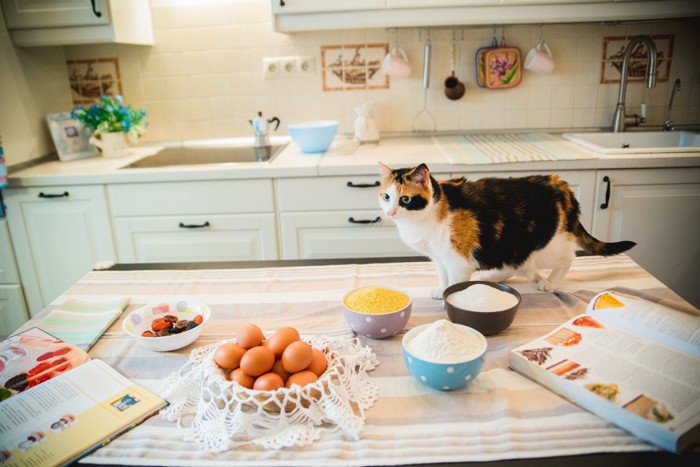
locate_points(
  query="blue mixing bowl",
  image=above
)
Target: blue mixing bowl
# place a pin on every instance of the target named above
(313, 137)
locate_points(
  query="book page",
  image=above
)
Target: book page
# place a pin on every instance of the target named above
(59, 420)
(666, 325)
(655, 387)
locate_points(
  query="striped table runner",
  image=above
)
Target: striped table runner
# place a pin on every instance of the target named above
(500, 148)
(501, 415)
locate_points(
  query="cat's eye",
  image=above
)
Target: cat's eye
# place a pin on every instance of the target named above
(405, 200)
(386, 197)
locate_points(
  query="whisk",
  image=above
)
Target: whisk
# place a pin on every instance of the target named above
(424, 120)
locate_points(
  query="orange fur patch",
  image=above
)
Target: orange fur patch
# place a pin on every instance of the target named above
(465, 232)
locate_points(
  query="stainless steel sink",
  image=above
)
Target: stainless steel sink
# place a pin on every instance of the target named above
(637, 142)
(201, 154)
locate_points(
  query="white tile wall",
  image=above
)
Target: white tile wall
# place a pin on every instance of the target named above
(203, 78)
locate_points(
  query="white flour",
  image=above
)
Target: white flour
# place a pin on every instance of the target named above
(444, 342)
(482, 297)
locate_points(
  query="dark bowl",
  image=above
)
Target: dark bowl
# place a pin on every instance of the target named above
(486, 322)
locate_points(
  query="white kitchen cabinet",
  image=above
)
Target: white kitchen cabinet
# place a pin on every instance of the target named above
(335, 217)
(582, 183)
(13, 310)
(69, 22)
(194, 221)
(58, 233)
(333, 15)
(660, 210)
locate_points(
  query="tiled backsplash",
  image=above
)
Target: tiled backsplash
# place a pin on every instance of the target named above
(204, 77)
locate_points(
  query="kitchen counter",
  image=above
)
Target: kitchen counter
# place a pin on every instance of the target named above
(345, 157)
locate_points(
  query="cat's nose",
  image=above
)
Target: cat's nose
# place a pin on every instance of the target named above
(391, 213)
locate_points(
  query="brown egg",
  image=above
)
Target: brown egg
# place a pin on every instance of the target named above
(302, 378)
(249, 336)
(279, 369)
(318, 362)
(229, 355)
(257, 361)
(268, 382)
(297, 356)
(281, 339)
(241, 378)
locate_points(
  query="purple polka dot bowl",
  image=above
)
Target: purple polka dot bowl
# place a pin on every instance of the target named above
(444, 376)
(377, 311)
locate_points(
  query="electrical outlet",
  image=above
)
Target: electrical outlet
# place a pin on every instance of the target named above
(288, 65)
(305, 65)
(271, 67)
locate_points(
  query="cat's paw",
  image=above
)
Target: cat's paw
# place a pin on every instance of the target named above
(436, 293)
(546, 286)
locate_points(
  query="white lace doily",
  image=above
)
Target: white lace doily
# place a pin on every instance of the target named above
(220, 414)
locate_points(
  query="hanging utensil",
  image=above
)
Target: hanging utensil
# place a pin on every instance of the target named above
(454, 88)
(424, 120)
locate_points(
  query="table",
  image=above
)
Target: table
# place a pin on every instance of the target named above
(501, 416)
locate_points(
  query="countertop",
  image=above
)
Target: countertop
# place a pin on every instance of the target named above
(345, 157)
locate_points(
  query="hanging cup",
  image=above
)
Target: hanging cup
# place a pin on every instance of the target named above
(395, 64)
(539, 59)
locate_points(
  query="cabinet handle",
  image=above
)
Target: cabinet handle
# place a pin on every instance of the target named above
(94, 9)
(365, 221)
(363, 185)
(194, 226)
(281, 2)
(44, 195)
(605, 205)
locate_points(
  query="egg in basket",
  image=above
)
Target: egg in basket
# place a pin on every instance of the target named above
(276, 391)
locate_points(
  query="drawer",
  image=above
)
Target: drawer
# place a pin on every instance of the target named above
(211, 197)
(330, 193)
(8, 267)
(167, 239)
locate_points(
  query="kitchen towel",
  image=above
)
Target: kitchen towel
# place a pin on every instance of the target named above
(510, 147)
(82, 322)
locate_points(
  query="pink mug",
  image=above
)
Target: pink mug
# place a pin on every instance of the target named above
(539, 59)
(395, 64)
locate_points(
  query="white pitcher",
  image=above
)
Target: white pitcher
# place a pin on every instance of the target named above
(111, 144)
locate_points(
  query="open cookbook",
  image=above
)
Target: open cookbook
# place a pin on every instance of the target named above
(632, 362)
(58, 405)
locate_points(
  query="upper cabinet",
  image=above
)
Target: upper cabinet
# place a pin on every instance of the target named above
(308, 15)
(70, 22)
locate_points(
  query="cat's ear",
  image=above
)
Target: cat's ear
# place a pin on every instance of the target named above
(385, 170)
(420, 175)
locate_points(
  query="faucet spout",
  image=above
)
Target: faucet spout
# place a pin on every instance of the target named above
(668, 124)
(621, 119)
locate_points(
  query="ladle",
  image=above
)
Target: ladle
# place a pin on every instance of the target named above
(454, 88)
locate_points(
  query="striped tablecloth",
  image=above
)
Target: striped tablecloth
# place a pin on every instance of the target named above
(501, 415)
(508, 147)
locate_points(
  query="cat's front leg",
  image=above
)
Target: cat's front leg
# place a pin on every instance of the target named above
(436, 293)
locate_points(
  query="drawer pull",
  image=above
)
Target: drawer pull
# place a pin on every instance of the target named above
(194, 226)
(363, 185)
(364, 221)
(605, 205)
(44, 195)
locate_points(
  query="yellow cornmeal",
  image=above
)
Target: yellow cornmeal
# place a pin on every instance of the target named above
(376, 300)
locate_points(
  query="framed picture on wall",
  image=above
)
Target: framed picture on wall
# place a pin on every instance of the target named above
(70, 137)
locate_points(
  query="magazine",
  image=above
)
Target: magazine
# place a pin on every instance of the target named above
(632, 362)
(62, 409)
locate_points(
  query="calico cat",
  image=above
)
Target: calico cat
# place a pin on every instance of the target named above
(501, 226)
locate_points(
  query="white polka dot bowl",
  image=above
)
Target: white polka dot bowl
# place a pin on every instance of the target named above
(372, 319)
(443, 376)
(141, 320)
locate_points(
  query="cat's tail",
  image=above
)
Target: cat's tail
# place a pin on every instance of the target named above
(594, 246)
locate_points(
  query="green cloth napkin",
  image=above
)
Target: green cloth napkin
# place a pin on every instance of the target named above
(82, 322)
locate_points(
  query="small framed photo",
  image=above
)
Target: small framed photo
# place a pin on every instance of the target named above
(70, 136)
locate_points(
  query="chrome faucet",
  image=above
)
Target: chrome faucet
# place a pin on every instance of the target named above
(668, 124)
(621, 119)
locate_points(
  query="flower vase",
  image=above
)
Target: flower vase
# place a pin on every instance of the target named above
(111, 144)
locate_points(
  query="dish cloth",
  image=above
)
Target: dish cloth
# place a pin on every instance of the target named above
(499, 148)
(82, 322)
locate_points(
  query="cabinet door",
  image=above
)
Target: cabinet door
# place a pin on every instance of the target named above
(25, 14)
(13, 311)
(8, 267)
(170, 239)
(58, 233)
(660, 210)
(348, 234)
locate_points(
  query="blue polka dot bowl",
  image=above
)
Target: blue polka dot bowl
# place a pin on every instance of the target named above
(444, 376)
(142, 319)
(380, 312)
